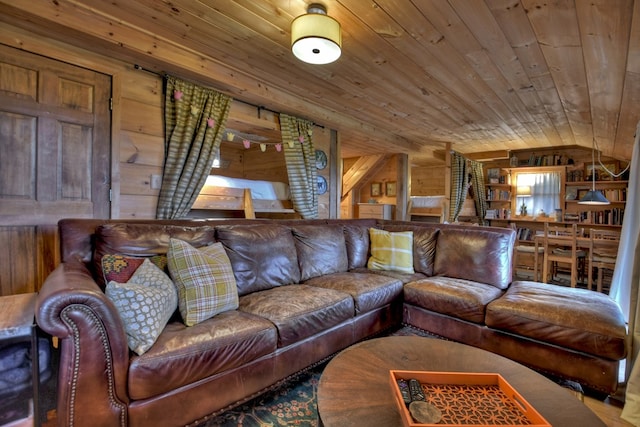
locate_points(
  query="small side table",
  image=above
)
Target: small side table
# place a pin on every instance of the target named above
(17, 324)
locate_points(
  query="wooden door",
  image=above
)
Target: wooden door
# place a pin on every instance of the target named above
(54, 160)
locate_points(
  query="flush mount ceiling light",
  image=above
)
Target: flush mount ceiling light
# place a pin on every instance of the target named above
(316, 37)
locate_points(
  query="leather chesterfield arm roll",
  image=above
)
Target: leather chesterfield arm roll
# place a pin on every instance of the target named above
(80, 319)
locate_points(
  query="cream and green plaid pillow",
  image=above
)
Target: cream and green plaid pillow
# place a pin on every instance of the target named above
(204, 278)
(391, 250)
(145, 304)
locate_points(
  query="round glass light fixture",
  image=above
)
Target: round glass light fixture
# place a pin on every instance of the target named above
(316, 37)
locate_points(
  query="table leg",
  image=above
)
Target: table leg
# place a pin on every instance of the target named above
(35, 375)
(535, 262)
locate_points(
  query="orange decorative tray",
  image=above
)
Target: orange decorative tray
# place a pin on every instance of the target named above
(468, 399)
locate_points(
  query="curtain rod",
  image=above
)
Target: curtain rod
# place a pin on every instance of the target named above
(257, 107)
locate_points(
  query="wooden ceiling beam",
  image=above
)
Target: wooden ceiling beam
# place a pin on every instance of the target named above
(488, 155)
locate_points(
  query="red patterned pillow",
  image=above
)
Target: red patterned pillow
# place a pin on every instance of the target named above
(120, 268)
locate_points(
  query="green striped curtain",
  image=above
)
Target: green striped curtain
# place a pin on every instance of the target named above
(195, 119)
(300, 157)
(466, 173)
(459, 185)
(479, 191)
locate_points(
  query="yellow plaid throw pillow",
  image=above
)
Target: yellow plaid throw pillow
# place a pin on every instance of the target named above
(391, 251)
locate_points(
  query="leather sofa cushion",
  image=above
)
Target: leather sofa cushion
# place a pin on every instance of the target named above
(262, 255)
(357, 242)
(321, 250)
(403, 277)
(475, 253)
(299, 311)
(183, 355)
(143, 240)
(369, 291)
(459, 298)
(579, 319)
(424, 245)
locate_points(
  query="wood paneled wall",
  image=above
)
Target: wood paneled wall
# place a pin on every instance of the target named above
(386, 174)
(322, 141)
(140, 153)
(428, 181)
(424, 181)
(137, 155)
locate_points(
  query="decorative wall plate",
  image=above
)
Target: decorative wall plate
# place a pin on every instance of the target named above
(322, 184)
(321, 159)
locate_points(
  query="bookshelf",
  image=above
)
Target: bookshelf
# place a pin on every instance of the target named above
(576, 175)
(503, 214)
(608, 215)
(498, 189)
(575, 167)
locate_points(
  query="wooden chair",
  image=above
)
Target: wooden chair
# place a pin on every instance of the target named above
(522, 252)
(561, 246)
(581, 255)
(603, 251)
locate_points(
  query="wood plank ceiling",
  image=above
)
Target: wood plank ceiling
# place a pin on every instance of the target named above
(484, 75)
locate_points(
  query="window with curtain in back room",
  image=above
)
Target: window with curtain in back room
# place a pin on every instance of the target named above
(545, 192)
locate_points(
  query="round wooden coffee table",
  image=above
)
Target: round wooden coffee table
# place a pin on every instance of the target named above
(355, 390)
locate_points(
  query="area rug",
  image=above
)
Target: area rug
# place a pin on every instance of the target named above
(293, 403)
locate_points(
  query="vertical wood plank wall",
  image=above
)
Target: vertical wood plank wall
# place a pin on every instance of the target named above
(141, 143)
(137, 154)
(142, 148)
(427, 181)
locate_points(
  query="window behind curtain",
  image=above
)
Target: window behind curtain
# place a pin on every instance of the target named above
(545, 192)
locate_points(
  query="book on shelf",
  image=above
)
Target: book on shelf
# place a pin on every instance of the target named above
(498, 195)
(603, 217)
(548, 160)
(571, 217)
(576, 175)
(498, 214)
(615, 195)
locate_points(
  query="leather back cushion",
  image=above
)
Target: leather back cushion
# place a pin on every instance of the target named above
(481, 254)
(143, 240)
(357, 242)
(424, 245)
(262, 255)
(321, 250)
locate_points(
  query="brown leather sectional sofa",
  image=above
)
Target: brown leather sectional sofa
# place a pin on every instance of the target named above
(305, 293)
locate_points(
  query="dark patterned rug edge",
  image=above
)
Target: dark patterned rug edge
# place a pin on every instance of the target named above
(292, 403)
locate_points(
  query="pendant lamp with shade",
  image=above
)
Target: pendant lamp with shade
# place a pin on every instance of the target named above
(593, 197)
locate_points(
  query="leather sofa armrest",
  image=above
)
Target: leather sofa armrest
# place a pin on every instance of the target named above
(94, 355)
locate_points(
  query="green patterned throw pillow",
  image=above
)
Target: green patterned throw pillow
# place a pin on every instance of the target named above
(145, 304)
(204, 278)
